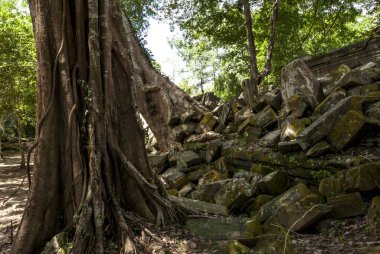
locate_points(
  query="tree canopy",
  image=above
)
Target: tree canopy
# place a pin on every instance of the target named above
(304, 28)
(17, 64)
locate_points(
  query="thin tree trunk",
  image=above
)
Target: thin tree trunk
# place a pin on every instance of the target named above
(90, 161)
(251, 85)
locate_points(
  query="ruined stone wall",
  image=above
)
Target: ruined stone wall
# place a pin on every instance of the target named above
(352, 55)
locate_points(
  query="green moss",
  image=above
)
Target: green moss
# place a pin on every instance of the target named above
(346, 129)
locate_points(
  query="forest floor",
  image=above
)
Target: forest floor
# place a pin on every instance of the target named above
(11, 202)
(340, 236)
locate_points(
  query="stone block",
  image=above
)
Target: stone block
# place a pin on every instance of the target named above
(187, 159)
(345, 206)
(347, 130)
(212, 151)
(326, 122)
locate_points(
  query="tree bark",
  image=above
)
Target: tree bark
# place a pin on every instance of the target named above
(251, 86)
(90, 160)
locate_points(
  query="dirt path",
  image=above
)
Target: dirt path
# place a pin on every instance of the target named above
(11, 176)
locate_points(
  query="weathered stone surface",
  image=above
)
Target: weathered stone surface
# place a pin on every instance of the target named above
(233, 191)
(262, 169)
(363, 178)
(159, 162)
(223, 117)
(250, 121)
(299, 215)
(174, 178)
(59, 244)
(251, 134)
(196, 172)
(190, 116)
(319, 149)
(364, 90)
(270, 139)
(187, 159)
(266, 117)
(345, 206)
(186, 190)
(368, 250)
(327, 83)
(374, 111)
(330, 101)
(333, 185)
(258, 202)
(296, 106)
(212, 176)
(207, 192)
(373, 216)
(212, 151)
(178, 134)
(324, 124)
(259, 104)
(290, 128)
(200, 206)
(182, 131)
(235, 246)
(223, 228)
(207, 123)
(274, 183)
(242, 114)
(347, 129)
(221, 165)
(210, 100)
(273, 98)
(297, 79)
(289, 146)
(362, 75)
(203, 137)
(270, 157)
(236, 104)
(275, 245)
(251, 177)
(354, 78)
(289, 197)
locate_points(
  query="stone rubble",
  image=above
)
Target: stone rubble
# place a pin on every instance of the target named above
(307, 152)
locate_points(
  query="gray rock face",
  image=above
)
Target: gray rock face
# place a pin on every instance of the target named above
(187, 159)
(274, 183)
(347, 129)
(324, 124)
(347, 205)
(234, 191)
(291, 196)
(299, 215)
(223, 117)
(212, 151)
(266, 117)
(319, 149)
(330, 101)
(374, 111)
(200, 206)
(207, 192)
(297, 79)
(159, 162)
(270, 139)
(222, 228)
(273, 98)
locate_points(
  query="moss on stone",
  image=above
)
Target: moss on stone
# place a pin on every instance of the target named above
(347, 129)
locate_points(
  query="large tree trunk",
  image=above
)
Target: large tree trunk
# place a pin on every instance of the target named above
(90, 161)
